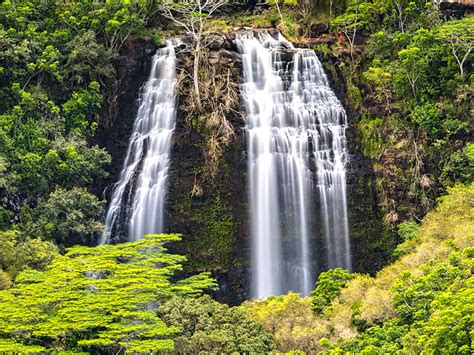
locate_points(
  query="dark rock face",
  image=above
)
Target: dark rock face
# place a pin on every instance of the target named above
(216, 41)
(318, 29)
(210, 210)
(455, 8)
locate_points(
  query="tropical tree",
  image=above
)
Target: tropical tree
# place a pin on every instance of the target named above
(191, 15)
(306, 8)
(459, 35)
(352, 21)
(68, 217)
(206, 325)
(412, 66)
(100, 299)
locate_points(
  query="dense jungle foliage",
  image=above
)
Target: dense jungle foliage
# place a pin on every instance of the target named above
(405, 69)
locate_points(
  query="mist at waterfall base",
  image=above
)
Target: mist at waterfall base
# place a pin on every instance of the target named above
(296, 150)
(137, 202)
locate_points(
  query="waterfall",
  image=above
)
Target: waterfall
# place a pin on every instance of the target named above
(296, 150)
(137, 202)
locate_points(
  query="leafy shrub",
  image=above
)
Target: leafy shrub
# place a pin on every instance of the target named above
(427, 116)
(290, 320)
(206, 325)
(328, 287)
(17, 254)
(460, 167)
(67, 217)
(408, 232)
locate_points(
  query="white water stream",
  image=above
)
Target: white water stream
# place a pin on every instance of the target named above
(138, 197)
(296, 143)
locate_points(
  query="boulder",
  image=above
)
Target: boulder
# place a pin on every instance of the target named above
(216, 41)
(318, 29)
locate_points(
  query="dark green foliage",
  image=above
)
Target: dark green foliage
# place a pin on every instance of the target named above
(427, 116)
(328, 287)
(460, 167)
(408, 232)
(408, 84)
(99, 299)
(407, 79)
(205, 325)
(67, 217)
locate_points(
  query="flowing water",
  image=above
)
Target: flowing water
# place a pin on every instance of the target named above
(136, 207)
(296, 144)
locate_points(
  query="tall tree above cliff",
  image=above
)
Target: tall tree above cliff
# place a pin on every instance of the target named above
(460, 37)
(191, 15)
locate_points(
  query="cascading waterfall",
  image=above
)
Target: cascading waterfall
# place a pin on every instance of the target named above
(136, 207)
(296, 142)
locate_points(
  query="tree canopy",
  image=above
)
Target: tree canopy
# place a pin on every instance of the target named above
(101, 298)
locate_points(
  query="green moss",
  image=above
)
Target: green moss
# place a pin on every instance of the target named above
(212, 243)
(354, 96)
(371, 138)
(218, 25)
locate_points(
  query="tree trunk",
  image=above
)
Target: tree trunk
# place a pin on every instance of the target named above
(412, 84)
(196, 75)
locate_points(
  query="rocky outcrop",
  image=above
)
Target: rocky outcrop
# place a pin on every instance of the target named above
(455, 8)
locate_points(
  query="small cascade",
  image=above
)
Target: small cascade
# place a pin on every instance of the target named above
(296, 145)
(136, 207)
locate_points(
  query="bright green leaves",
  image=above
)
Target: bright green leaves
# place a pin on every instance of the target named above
(413, 64)
(49, 62)
(449, 328)
(439, 304)
(430, 287)
(381, 81)
(427, 116)
(13, 347)
(98, 299)
(81, 109)
(328, 287)
(358, 16)
(408, 231)
(73, 163)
